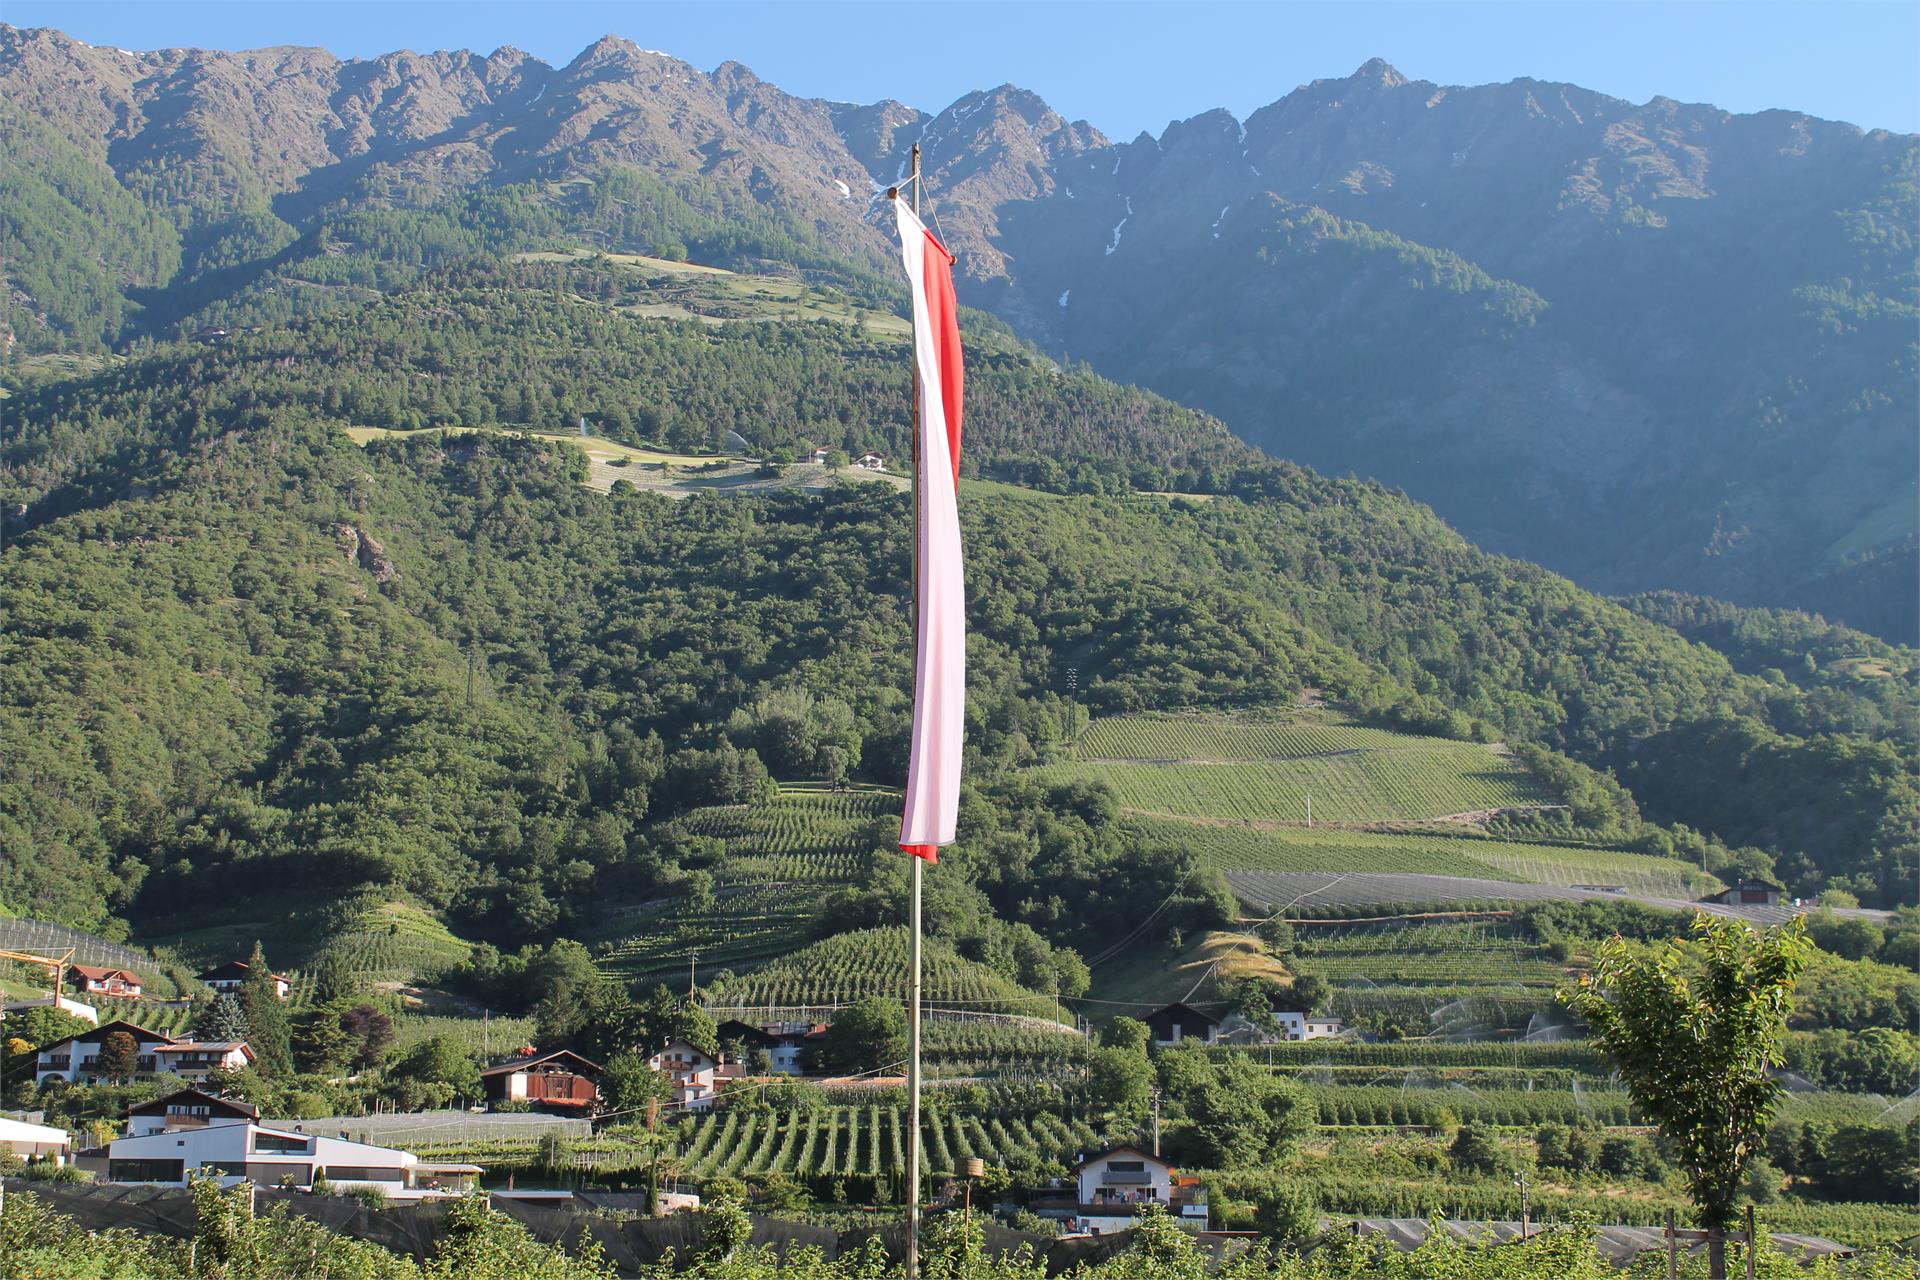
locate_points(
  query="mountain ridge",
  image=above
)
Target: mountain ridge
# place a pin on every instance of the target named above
(1710, 396)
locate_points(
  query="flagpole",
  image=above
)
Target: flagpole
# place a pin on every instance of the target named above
(913, 980)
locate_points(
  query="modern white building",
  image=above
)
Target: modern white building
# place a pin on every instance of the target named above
(34, 1141)
(192, 1134)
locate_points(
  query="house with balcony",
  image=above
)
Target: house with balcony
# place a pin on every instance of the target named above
(1105, 1192)
(98, 980)
(187, 1109)
(692, 1071)
(194, 1059)
(78, 1059)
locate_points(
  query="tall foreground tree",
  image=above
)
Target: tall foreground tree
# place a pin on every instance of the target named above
(268, 1030)
(1694, 1027)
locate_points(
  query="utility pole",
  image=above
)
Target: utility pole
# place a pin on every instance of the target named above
(1309, 810)
(1520, 1181)
(693, 960)
(1156, 1121)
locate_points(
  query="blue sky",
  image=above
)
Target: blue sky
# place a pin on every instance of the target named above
(1128, 67)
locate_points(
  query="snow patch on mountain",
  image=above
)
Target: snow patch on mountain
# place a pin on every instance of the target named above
(846, 192)
(1064, 295)
(1118, 225)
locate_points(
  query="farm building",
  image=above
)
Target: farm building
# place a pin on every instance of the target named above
(97, 980)
(77, 1058)
(1748, 893)
(229, 977)
(1175, 1022)
(870, 462)
(1108, 1189)
(560, 1079)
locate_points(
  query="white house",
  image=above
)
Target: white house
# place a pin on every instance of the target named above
(870, 462)
(193, 1059)
(205, 1139)
(1111, 1188)
(34, 1141)
(76, 1059)
(231, 975)
(692, 1071)
(784, 1042)
(1308, 1026)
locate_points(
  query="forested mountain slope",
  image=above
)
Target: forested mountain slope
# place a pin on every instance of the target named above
(243, 652)
(1651, 346)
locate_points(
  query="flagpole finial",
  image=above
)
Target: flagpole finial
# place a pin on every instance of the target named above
(893, 193)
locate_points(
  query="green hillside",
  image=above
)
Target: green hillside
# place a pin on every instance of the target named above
(1234, 789)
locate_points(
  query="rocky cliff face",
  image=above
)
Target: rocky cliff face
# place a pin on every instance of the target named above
(1650, 345)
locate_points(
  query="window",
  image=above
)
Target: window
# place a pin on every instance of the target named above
(146, 1170)
(278, 1144)
(364, 1173)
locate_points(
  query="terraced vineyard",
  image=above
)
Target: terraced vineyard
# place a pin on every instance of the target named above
(398, 942)
(803, 834)
(870, 1141)
(1238, 847)
(852, 966)
(1451, 954)
(1363, 787)
(1263, 769)
(745, 926)
(782, 857)
(168, 1019)
(1178, 738)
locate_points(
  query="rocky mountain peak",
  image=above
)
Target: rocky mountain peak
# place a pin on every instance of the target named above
(1378, 72)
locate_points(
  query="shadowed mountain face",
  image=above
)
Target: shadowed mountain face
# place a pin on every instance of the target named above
(1650, 346)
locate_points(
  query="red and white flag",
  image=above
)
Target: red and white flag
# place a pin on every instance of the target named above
(940, 658)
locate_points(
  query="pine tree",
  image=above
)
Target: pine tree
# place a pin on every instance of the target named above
(220, 1018)
(268, 1031)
